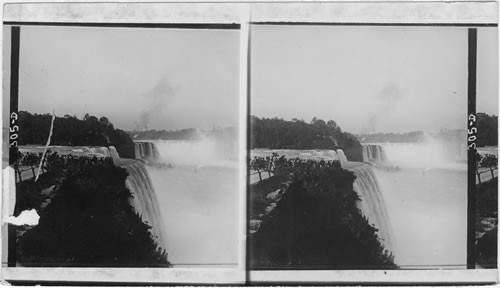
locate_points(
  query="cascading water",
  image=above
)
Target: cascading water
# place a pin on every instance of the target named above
(426, 200)
(97, 151)
(198, 195)
(374, 153)
(146, 150)
(145, 201)
(329, 154)
(342, 157)
(372, 203)
(113, 152)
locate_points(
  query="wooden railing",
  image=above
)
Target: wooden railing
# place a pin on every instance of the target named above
(490, 170)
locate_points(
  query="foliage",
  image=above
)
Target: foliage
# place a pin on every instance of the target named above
(28, 194)
(260, 165)
(30, 159)
(487, 130)
(487, 198)
(276, 164)
(260, 191)
(479, 158)
(487, 249)
(275, 133)
(71, 131)
(487, 208)
(317, 223)
(90, 221)
(488, 161)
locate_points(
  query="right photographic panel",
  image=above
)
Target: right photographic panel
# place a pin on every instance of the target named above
(358, 147)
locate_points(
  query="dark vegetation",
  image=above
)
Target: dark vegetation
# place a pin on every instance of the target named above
(487, 130)
(71, 131)
(316, 224)
(276, 133)
(487, 161)
(260, 190)
(487, 222)
(89, 222)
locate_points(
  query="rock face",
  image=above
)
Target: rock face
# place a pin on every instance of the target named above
(274, 196)
(254, 225)
(486, 224)
(48, 192)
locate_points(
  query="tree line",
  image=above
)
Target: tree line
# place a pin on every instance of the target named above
(276, 133)
(276, 164)
(487, 133)
(54, 162)
(71, 131)
(487, 130)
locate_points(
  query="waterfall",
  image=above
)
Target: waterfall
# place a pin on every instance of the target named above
(374, 153)
(372, 203)
(113, 152)
(329, 155)
(342, 157)
(146, 150)
(144, 200)
(97, 151)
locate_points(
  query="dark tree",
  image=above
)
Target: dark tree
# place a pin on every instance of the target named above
(487, 130)
(317, 224)
(90, 221)
(275, 133)
(71, 131)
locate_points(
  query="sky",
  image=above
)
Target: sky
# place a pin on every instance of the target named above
(156, 78)
(370, 79)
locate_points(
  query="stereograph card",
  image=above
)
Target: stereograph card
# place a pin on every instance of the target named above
(250, 143)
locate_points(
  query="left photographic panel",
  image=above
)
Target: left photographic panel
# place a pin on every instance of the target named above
(124, 146)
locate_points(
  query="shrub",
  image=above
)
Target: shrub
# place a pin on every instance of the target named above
(317, 224)
(90, 222)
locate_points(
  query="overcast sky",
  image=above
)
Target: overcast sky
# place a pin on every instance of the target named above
(370, 79)
(162, 78)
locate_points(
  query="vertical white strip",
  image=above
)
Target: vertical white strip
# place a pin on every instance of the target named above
(3, 231)
(243, 102)
(8, 195)
(9, 189)
(46, 146)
